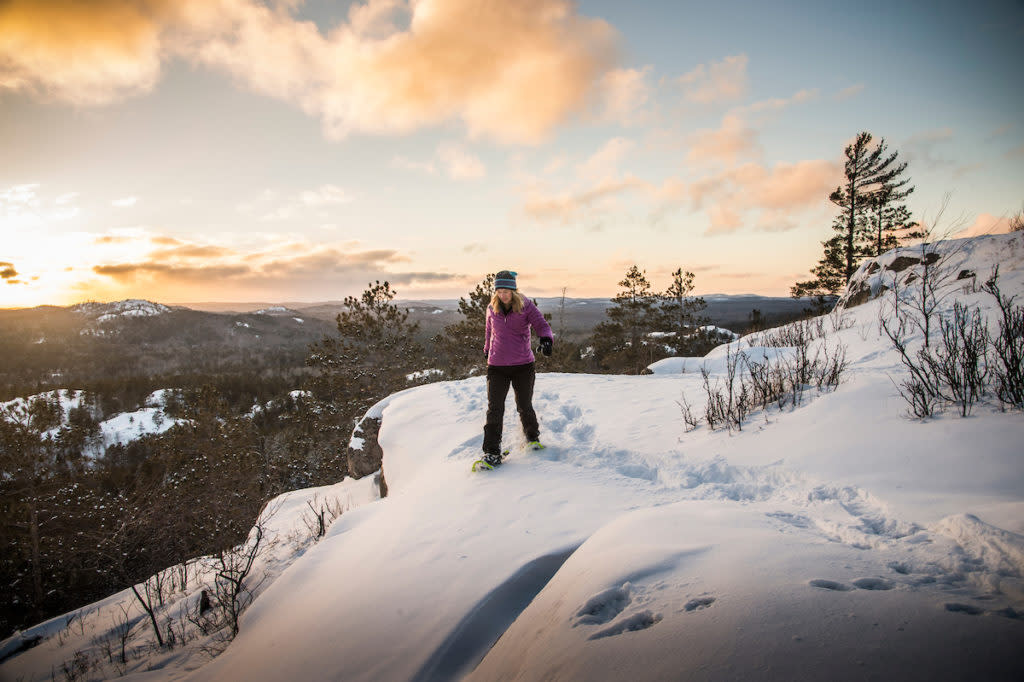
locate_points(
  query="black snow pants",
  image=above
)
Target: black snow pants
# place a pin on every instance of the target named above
(521, 378)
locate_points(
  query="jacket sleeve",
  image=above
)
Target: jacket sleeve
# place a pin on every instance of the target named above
(537, 321)
(487, 332)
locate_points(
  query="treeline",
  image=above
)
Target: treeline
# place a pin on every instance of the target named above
(44, 349)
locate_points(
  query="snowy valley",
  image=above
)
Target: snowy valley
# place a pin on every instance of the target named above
(827, 533)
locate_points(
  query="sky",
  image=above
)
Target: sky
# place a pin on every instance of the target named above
(289, 151)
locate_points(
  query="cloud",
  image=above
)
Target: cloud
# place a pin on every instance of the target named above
(623, 95)
(292, 269)
(1016, 152)
(777, 194)
(130, 272)
(776, 103)
(126, 202)
(8, 273)
(165, 240)
(88, 53)
(724, 220)
(325, 195)
(113, 239)
(985, 223)
(720, 81)
(272, 206)
(604, 163)
(849, 93)
(192, 252)
(404, 163)
(452, 157)
(510, 71)
(1000, 131)
(922, 148)
(460, 163)
(733, 141)
(571, 206)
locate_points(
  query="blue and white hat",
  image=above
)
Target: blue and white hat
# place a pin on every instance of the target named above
(506, 279)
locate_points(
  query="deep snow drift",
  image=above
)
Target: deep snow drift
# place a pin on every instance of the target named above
(839, 539)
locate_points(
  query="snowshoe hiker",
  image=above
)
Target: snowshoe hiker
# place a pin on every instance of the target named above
(510, 362)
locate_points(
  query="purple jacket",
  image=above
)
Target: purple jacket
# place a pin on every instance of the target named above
(507, 337)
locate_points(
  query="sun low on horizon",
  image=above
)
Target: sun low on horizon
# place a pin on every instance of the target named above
(290, 150)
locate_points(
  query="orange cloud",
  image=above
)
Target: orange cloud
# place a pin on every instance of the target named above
(511, 71)
(734, 140)
(8, 273)
(623, 94)
(194, 271)
(85, 52)
(566, 208)
(985, 223)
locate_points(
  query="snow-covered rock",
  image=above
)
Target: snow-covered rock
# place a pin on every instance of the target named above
(106, 312)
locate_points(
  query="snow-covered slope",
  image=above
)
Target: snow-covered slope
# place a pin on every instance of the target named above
(105, 312)
(839, 539)
(120, 429)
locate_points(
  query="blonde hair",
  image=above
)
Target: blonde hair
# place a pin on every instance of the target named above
(517, 302)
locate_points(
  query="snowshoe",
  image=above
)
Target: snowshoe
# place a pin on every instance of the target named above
(489, 461)
(535, 445)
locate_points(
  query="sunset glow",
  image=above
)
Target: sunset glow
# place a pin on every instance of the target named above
(239, 150)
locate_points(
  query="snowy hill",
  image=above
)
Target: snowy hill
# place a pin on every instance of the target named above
(121, 428)
(105, 312)
(831, 538)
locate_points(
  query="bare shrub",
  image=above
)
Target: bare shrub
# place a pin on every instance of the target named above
(321, 514)
(761, 384)
(1008, 346)
(232, 589)
(960, 362)
(726, 405)
(689, 418)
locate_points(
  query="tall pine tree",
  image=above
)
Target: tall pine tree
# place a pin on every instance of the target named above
(376, 348)
(870, 174)
(888, 222)
(680, 309)
(464, 340)
(621, 342)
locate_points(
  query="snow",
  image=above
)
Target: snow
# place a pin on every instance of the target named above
(121, 428)
(128, 426)
(839, 539)
(106, 312)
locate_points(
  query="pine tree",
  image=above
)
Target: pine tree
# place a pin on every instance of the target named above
(376, 348)
(464, 340)
(870, 174)
(621, 341)
(680, 309)
(888, 223)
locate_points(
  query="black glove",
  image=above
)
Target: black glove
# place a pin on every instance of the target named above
(545, 346)
(486, 356)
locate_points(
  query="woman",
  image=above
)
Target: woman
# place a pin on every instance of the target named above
(510, 362)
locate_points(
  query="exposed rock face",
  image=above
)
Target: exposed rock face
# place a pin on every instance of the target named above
(364, 452)
(365, 455)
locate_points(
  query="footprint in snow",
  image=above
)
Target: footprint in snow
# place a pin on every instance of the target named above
(831, 585)
(699, 603)
(634, 623)
(603, 607)
(873, 584)
(965, 608)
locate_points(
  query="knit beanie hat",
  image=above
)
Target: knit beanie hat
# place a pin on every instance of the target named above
(506, 279)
